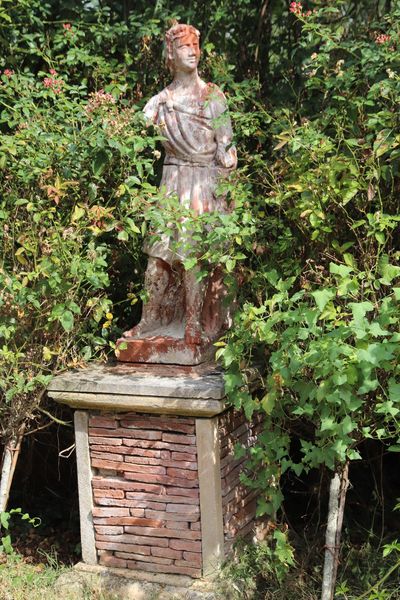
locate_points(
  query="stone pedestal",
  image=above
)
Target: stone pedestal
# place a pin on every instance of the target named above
(159, 487)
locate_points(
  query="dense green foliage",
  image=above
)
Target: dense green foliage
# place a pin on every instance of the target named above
(312, 239)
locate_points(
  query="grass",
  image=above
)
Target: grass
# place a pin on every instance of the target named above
(22, 580)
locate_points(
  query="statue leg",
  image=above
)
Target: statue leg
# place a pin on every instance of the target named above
(156, 282)
(194, 297)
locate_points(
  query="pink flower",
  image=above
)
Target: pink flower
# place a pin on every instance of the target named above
(382, 38)
(53, 72)
(67, 26)
(99, 99)
(53, 84)
(296, 8)
(8, 72)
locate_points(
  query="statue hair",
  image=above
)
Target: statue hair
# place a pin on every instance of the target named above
(175, 32)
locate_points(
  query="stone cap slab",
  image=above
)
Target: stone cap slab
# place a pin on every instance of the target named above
(197, 390)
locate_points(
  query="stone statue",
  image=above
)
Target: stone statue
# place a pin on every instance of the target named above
(183, 314)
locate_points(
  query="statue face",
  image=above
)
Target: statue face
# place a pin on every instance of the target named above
(186, 53)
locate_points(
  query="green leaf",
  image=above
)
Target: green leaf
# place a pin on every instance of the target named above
(342, 270)
(230, 265)
(67, 320)
(99, 163)
(359, 310)
(394, 448)
(123, 235)
(6, 544)
(78, 213)
(189, 263)
(322, 297)
(5, 519)
(394, 390)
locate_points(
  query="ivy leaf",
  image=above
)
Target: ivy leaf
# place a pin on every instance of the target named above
(342, 270)
(394, 390)
(360, 309)
(322, 297)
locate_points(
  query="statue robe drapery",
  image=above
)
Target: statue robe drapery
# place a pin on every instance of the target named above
(198, 150)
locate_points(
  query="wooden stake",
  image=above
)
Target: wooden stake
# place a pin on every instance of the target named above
(337, 499)
(11, 453)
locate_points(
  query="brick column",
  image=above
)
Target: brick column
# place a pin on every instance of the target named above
(159, 488)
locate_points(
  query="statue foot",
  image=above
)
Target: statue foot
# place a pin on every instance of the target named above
(138, 330)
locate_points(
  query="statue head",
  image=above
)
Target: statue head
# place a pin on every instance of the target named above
(182, 47)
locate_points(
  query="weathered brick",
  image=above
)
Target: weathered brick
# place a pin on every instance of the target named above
(109, 531)
(233, 532)
(231, 465)
(106, 456)
(155, 560)
(110, 512)
(184, 473)
(121, 432)
(178, 456)
(187, 563)
(192, 509)
(108, 493)
(169, 516)
(111, 561)
(233, 493)
(144, 460)
(102, 421)
(128, 451)
(137, 549)
(157, 445)
(178, 524)
(150, 505)
(179, 439)
(164, 479)
(233, 478)
(157, 423)
(107, 472)
(190, 571)
(127, 538)
(165, 454)
(193, 557)
(117, 502)
(195, 526)
(189, 493)
(108, 441)
(243, 516)
(115, 483)
(186, 545)
(139, 496)
(184, 464)
(237, 503)
(124, 466)
(181, 534)
(167, 553)
(138, 522)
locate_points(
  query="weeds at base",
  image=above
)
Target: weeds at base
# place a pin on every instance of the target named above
(251, 575)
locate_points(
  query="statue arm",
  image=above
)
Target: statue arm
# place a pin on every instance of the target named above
(226, 156)
(150, 111)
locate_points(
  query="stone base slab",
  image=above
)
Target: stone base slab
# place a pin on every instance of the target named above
(133, 585)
